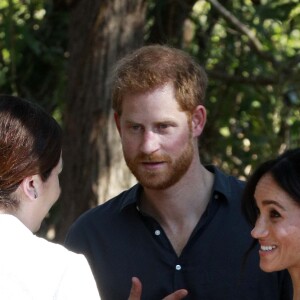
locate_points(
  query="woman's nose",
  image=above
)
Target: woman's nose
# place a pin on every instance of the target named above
(260, 229)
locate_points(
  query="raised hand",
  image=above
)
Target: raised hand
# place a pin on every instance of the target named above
(136, 292)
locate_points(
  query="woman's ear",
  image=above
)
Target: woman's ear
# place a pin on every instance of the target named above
(29, 186)
(198, 120)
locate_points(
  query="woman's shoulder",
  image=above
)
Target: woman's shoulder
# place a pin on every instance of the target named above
(56, 251)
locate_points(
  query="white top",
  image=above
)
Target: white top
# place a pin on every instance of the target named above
(33, 268)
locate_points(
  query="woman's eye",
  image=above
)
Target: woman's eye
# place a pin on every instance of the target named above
(274, 214)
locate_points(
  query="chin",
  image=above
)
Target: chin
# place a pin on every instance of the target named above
(269, 269)
(36, 228)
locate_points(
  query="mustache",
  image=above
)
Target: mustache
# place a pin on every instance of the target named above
(142, 157)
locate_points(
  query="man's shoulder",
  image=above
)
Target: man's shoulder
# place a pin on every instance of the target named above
(227, 185)
(225, 178)
(96, 223)
(234, 181)
(108, 209)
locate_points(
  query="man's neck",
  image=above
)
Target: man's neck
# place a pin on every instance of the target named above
(179, 208)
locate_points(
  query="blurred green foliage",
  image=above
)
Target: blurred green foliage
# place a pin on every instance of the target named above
(251, 53)
(33, 53)
(254, 91)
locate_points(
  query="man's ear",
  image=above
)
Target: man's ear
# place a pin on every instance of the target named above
(29, 187)
(117, 121)
(198, 120)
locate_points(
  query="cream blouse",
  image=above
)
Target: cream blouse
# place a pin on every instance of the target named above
(33, 268)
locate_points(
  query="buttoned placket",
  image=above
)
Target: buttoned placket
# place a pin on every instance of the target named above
(178, 266)
(160, 236)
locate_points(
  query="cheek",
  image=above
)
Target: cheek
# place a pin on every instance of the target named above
(128, 140)
(58, 186)
(290, 237)
(57, 189)
(175, 144)
(294, 239)
(130, 147)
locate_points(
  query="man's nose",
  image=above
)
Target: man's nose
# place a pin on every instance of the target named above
(150, 142)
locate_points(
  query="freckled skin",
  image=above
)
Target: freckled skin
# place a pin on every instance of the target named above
(156, 137)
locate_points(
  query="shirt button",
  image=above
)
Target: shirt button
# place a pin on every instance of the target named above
(178, 267)
(216, 196)
(157, 232)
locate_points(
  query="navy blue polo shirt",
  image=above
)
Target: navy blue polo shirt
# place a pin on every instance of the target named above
(120, 242)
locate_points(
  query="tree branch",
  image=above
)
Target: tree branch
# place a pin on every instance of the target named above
(255, 80)
(244, 30)
(241, 27)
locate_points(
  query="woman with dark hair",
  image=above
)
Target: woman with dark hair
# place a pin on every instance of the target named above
(30, 162)
(271, 204)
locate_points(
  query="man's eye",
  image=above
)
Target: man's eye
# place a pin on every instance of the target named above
(135, 127)
(163, 126)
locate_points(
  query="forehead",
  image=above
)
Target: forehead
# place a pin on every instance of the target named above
(266, 185)
(268, 189)
(159, 99)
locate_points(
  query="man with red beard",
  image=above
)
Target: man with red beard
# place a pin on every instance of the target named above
(181, 226)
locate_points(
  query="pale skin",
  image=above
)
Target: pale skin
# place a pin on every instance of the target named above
(153, 124)
(36, 197)
(277, 230)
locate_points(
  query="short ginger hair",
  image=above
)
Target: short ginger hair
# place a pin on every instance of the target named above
(153, 66)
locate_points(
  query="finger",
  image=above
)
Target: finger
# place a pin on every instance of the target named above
(136, 289)
(180, 294)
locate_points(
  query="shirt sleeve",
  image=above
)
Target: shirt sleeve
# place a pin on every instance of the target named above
(77, 282)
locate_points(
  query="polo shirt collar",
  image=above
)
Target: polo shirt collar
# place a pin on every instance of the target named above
(221, 185)
(131, 196)
(221, 182)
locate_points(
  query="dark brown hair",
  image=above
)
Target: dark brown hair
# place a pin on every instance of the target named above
(30, 143)
(153, 66)
(285, 170)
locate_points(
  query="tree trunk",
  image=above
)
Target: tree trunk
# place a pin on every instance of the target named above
(169, 17)
(94, 169)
